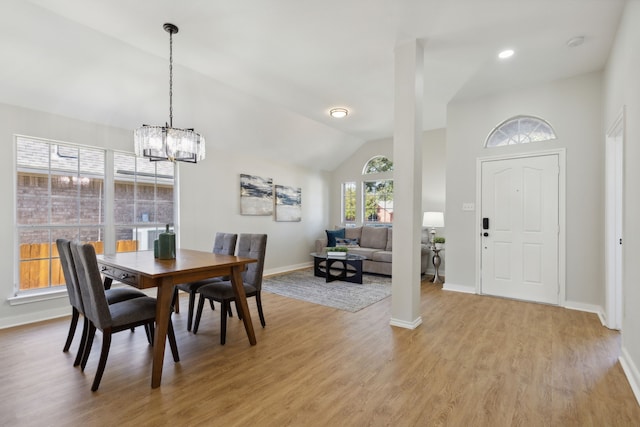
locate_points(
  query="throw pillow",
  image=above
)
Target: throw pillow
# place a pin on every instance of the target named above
(331, 236)
(349, 243)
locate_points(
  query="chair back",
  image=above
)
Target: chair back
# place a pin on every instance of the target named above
(225, 244)
(69, 272)
(94, 299)
(253, 246)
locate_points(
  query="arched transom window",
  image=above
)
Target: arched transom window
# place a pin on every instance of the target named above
(378, 164)
(520, 130)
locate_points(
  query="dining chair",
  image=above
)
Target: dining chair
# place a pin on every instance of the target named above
(223, 244)
(113, 295)
(110, 318)
(249, 246)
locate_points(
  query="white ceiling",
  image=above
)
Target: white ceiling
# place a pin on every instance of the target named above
(262, 75)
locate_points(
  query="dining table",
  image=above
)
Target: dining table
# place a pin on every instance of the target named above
(143, 271)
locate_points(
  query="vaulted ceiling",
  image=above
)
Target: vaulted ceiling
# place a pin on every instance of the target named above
(262, 75)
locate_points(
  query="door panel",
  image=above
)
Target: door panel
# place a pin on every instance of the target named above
(519, 257)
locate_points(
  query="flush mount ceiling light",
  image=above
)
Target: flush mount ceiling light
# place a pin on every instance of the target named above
(508, 53)
(338, 113)
(166, 142)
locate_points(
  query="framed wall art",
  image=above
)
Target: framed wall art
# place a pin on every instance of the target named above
(256, 195)
(288, 203)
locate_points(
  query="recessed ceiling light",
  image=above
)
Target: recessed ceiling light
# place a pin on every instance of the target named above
(506, 54)
(338, 113)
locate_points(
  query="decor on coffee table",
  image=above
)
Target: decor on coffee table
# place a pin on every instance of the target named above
(337, 252)
(303, 285)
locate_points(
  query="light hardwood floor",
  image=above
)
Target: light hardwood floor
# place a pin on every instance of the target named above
(475, 361)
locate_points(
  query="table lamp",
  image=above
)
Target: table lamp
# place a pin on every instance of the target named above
(433, 220)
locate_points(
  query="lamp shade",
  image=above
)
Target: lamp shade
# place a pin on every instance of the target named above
(433, 219)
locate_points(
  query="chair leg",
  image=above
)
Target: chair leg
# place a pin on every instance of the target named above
(175, 301)
(237, 311)
(87, 346)
(260, 313)
(83, 341)
(192, 303)
(106, 344)
(223, 321)
(198, 314)
(72, 329)
(213, 307)
(172, 342)
(152, 332)
(230, 311)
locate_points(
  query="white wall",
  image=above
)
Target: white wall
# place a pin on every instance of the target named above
(622, 88)
(210, 202)
(210, 193)
(433, 177)
(574, 108)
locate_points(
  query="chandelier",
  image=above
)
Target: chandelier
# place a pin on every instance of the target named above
(166, 142)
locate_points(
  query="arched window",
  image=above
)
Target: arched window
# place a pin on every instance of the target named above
(378, 164)
(520, 130)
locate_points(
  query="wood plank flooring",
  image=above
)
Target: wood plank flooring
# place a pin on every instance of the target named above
(475, 361)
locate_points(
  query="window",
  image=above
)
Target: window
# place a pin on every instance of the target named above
(378, 201)
(520, 130)
(60, 193)
(143, 201)
(348, 202)
(378, 193)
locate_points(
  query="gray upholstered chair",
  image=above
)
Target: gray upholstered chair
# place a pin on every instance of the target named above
(249, 246)
(109, 318)
(71, 280)
(223, 244)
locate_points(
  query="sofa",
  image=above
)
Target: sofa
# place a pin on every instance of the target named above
(374, 243)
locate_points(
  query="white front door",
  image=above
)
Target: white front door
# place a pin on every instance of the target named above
(520, 212)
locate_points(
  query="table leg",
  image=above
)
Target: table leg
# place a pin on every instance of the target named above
(241, 302)
(163, 313)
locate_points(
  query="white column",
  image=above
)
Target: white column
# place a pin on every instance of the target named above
(407, 181)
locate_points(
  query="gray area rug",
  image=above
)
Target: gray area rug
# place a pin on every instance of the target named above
(303, 285)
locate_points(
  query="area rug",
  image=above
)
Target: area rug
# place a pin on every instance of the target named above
(303, 285)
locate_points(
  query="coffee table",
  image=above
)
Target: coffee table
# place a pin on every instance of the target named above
(344, 268)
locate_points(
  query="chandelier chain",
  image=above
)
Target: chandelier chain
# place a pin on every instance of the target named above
(170, 79)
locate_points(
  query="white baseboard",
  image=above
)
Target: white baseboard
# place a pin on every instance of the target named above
(589, 308)
(37, 316)
(631, 371)
(446, 286)
(404, 324)
(286, 269)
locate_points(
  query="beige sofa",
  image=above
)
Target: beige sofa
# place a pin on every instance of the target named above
(375, 243)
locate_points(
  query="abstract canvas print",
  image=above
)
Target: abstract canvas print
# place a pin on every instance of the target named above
(256, 195)
(288, 203)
